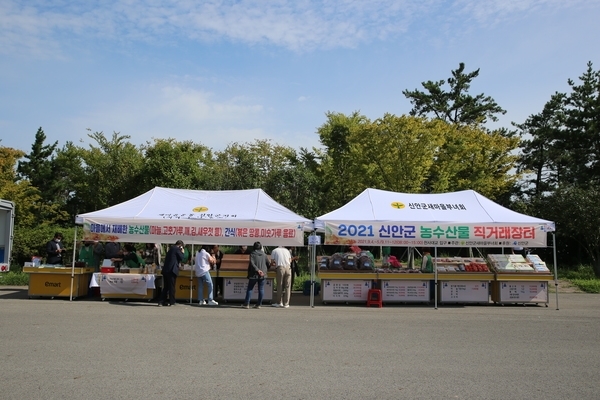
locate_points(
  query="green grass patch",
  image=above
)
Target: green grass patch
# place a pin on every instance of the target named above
(582, 272)
(299, 281)
(13, 278)
(587, 285)
(581, 276)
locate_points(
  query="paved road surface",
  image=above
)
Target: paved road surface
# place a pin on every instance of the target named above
(56, 349)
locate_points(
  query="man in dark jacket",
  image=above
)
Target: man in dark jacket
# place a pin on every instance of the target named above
(55, 250)
(257, 272)
(170, 271)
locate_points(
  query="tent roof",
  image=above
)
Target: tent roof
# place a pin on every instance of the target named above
(193, 205)
(465, 206)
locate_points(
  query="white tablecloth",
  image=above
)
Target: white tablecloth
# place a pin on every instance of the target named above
(123, 283)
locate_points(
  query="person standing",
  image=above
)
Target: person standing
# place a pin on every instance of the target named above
(98, 255)
(295, 267)
(55, 249)
(427, 264)
(218, 255)
(113, 250)
(257, 272)
(282, 259)
(86, 254)
(202, 266)
(242, 250)
(130, 257)
(150, 254)
(170, 271)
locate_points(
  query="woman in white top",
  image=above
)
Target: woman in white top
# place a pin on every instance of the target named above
(202, 270)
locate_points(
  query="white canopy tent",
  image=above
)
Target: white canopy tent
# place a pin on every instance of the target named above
(229, 217)
(163, 215)
(457, 219)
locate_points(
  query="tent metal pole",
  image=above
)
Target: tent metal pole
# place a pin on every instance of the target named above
(555, 268)
(73, 264)
(313, 258)
(436, 277)
(192, 277)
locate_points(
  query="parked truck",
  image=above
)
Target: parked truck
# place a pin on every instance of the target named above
(7, 221)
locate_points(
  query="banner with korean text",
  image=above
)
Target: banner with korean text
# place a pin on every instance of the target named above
(436, 234)
(190, 231)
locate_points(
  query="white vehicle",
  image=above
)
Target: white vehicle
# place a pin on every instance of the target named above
(7, 220)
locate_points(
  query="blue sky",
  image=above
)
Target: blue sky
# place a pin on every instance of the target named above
(223, 71)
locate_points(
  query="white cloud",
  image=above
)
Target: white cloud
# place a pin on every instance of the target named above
(496, 11)
(171, 110)
(197, 106)
(303, 98)
(42, 27)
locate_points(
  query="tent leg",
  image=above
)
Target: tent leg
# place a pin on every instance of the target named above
(192, 279)
(436, 277)
(313, 258)
(555, 268)
(73, 264)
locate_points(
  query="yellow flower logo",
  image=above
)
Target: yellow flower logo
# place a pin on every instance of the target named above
(200, 209)
(398, 205)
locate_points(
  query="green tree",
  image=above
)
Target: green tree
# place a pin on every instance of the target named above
(454, 105)
(339, 167)
(302, 184)
(184, 165)
(582, 134)
(576, 213)
(541, 161)
(398, 152)
(39, 167)
(106, 173)
(560, 162)
(473, 158)
(416, 155)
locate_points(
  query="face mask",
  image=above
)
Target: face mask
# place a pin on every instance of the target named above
(57, 240)
(87, 245)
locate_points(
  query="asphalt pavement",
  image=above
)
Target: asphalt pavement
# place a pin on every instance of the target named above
(57, 349)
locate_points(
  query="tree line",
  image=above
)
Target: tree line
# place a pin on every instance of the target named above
(548, 166)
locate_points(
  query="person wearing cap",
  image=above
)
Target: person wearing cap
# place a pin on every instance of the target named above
(55, 249)
(170, 271)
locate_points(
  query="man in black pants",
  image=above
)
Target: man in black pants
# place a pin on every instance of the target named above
(218, 286)
(170, 271)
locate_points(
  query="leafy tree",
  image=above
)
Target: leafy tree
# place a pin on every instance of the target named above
(73, 185)
(400, 151)
(112, 171)
(39, 169)
(250, 165)
(454, 105)
(576, 213)
(302, 184)
(339, 167)
(173, 164)
(30, 209)
(417, 155)
(473, 158)
(561, 154)
(582, 122)
(541, 161)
